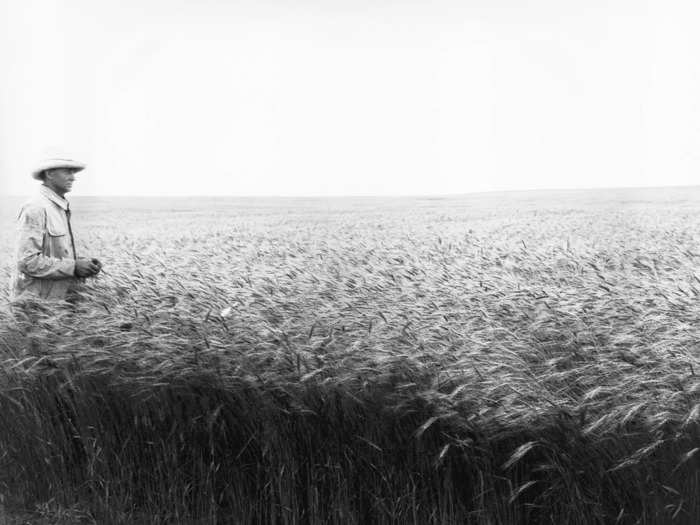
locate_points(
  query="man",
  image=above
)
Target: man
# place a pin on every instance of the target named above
(47, 265)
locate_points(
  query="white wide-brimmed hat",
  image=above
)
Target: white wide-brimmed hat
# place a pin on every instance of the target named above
(49, 164)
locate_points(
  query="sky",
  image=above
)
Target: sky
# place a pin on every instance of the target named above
(339, 97)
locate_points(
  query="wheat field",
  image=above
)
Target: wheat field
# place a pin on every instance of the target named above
(513, 358)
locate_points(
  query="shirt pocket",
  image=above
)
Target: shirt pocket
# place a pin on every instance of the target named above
(56, 225)
(58, 244)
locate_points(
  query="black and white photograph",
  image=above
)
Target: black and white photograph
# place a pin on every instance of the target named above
(349, 262)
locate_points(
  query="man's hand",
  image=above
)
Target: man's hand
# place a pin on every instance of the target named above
(87, 267)
(98, 263)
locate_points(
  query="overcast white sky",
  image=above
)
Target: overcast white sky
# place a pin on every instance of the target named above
(340, 97)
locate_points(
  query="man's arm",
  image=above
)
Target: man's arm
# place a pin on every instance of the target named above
(30, 259)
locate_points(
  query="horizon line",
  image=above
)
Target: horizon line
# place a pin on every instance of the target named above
(373, 195)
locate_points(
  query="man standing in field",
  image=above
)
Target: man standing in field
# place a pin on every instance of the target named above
(47, 265)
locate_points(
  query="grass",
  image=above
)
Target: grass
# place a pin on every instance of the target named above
(522, 358)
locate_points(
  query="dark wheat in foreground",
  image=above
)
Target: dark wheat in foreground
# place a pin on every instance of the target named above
(504, 360)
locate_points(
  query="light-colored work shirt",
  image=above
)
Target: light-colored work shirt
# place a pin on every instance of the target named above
(45, 254)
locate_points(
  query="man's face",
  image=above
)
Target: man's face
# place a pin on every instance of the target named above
(60, 180)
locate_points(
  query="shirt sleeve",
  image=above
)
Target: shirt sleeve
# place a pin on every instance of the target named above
(30, 257)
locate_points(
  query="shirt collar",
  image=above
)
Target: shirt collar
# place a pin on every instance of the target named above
(53, 197)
